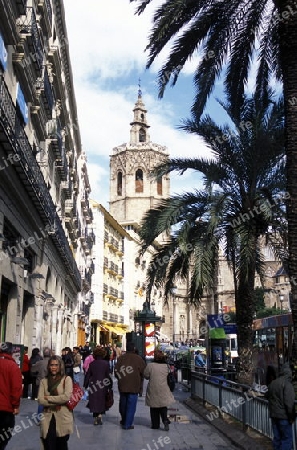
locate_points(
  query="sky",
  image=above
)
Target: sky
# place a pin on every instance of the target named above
(107, 42)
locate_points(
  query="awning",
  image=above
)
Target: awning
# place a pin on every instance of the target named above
(120, 331)
(111, 329)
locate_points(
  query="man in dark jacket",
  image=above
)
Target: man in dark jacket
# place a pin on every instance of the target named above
(129, 373)
(10, 392)
(281, 399)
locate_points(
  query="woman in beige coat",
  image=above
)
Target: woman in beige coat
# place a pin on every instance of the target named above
(54, 392)
(158, 394)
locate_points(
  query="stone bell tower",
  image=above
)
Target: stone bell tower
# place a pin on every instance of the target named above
(132, 190)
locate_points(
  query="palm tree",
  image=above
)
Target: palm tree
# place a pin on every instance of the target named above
(241, 200)
(228, 35)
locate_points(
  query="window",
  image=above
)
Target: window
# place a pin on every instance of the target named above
(142, 135)
(159, 186)
(139, 181)
(120, 183)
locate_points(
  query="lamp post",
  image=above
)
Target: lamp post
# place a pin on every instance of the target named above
(173, 293)
(281, 299)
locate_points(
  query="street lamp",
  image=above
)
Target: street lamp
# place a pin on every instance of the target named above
(281, 299)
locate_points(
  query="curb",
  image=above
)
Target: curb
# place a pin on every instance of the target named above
(249, 440)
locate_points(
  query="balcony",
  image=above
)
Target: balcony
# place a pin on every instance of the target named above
(47, 16)
(66, 186)
(47, 94)
(14, 140)
(28, 29)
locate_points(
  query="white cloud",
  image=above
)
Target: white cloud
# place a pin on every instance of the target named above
(107, 44)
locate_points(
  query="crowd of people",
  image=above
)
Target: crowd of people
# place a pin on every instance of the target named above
(49, 379)
(52, 377)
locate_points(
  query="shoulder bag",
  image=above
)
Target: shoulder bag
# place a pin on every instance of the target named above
(109, 399)
(170, 379)
(77, 394)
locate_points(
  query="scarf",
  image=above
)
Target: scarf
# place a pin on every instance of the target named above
(53, 383)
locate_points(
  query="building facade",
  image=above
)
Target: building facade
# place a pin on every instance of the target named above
(45, 218)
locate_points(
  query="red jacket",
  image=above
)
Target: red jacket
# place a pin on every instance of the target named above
(10, 383)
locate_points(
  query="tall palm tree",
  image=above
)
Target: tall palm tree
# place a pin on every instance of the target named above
(228, 34)
(241, 200)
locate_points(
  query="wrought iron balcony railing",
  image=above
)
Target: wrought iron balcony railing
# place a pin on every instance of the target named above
(27, 26)
(16, 141)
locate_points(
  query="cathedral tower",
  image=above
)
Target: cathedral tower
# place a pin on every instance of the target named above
(132, 190)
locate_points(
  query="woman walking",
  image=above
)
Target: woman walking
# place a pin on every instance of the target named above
(54, 392)
(158, 394)
(97, 380)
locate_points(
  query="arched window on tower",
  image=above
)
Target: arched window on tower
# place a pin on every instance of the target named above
(138, 180)
(120, 184)
(159, 186)
(142, 135)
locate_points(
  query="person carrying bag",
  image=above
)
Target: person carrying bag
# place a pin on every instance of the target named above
(54, 392)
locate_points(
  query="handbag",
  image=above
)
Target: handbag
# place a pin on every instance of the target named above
(170, 380)
(109, 399)
(77, 394)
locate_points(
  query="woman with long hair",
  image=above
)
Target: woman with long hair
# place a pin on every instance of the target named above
(97, 380)
(54, 392)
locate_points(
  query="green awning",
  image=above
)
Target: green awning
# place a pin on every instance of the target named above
(217, 333)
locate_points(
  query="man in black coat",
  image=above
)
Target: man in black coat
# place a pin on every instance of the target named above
(281, 401)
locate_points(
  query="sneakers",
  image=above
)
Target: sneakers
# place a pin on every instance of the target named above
(166, 426)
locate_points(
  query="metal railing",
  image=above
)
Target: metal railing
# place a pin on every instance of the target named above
(236, 400)
(13, 133)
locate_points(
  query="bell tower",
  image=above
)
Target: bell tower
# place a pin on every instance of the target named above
(132, 190)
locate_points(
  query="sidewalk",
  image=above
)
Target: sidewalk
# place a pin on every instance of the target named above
(188, 430)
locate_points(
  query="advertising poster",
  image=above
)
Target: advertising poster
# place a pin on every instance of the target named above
(18, 353)
(150, 340)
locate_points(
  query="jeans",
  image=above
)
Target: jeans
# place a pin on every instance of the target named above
(7, 421)
(127, 407)
(282, 434)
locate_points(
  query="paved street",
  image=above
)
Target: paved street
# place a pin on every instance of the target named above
(188, 431)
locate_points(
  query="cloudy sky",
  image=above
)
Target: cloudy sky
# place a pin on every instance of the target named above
(107, 42)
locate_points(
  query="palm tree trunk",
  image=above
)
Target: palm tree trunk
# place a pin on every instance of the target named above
(245, 309)
(288, 51)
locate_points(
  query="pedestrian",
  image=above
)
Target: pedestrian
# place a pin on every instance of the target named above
(35, 356)
(97, 381)
(26, 373)
(129, 373)
(281, 402)
(10, 393)
(86, 350)
(40, 369)
(76, 365)
(118, 350)
(199, 361)
(68, 361)
(112, 358)
(87, 362)
(54, 392)
(158, 395)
